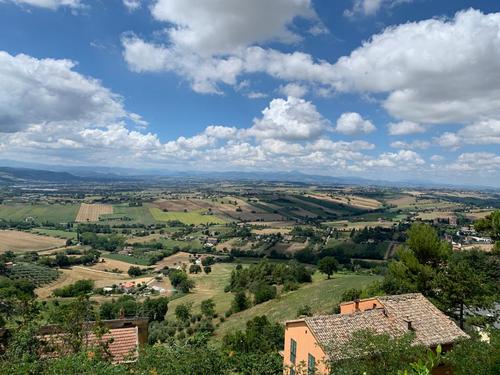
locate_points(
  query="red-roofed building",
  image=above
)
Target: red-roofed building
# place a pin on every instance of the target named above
(123, 339)
(308, 340)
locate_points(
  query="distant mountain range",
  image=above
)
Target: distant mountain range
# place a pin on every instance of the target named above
(19, 172)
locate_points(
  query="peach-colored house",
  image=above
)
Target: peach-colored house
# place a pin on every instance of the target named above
(307, 340)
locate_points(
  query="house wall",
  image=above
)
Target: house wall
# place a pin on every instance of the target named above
(364, 304)
(306, 343)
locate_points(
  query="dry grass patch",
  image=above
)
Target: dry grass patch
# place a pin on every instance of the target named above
(18, 241)
(112, 264)
(174, 260)
(91, 212)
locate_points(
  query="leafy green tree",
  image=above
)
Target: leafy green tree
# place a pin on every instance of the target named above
(426, 245)
(208, 308)
(476, 356)
(78, 288)
(240, 302)
(328, 265)
(183, 312)
(155, 309)
(351, 295)
(408, 275)
(490, 224)
(194, 268)
(134, 271)
(371, 353)
(260, 336)
(207, 269)
(304, 310)
(263, 292)
(462, 285)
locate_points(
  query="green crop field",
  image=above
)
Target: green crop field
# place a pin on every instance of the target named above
(128, 258)
(55, 233)
(183, 245)
(193, 217)
(55, 213)
(322, 295)
(126, 214)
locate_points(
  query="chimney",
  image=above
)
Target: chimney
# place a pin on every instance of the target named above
(356, 305)
(408, 323)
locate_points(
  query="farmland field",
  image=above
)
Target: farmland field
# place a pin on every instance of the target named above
(55, 233)
(140, 261)
(91, 212)
(349, 200)
(136, 214)
(18, 241)
(54, 213)
(195, 217)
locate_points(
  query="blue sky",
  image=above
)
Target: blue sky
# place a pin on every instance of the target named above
(392, 89)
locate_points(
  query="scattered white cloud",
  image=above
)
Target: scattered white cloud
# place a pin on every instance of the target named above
(403, 160)
(479, 133)
(434, 71)
(405, 128)
(294, 89)
(132, 5)
(50, 4)
(483, 162)
(351, 123)
(417, 144)
(371, 7)
(255, 95)
(290, 119)
(238, 23)
(449, 140)
(35, 91)
(437, 158)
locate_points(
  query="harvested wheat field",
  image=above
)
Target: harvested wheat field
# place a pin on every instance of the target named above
(18, 241)
(111, 265)
(349, 200)
(91, 212)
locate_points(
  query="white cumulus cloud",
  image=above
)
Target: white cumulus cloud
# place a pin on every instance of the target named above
(351, 123)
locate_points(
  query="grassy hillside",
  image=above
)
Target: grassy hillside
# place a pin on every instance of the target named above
(322, 295)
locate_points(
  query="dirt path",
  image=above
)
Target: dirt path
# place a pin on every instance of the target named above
(391, 250)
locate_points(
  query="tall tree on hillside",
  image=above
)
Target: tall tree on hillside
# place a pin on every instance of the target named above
(426, 245)
(490, 224)
(328, 265)
(463, 285)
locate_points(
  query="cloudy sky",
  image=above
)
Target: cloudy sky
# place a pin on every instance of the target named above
(388, 89)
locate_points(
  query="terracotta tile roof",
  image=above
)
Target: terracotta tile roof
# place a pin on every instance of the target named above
(431, 326)
(338, 329)
(122, 343)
